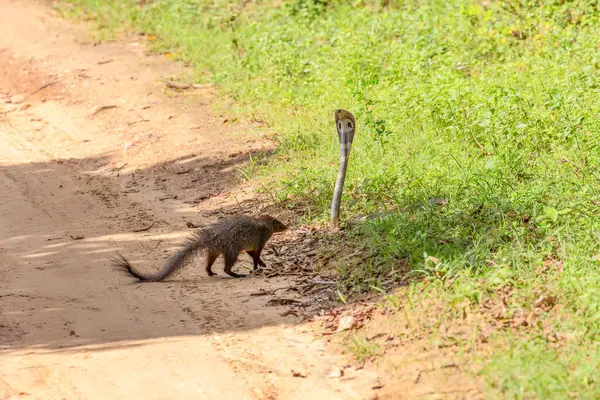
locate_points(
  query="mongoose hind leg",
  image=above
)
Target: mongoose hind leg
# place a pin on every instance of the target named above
(252, 254)
(261, 262)
(230, 259)
(210, 260)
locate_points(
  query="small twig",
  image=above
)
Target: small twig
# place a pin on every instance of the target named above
(318, 282)
(284, 302)
(137, 122)
(263, 292)
(184, 86)
(451, 365)
(289, 312)
(274, 251)
(41, 88)
(313, 291)
(238, 203)
(177, 85)
(98, 109)
(144, 229)
(105, 61)
(141, 118)
(419, 375)
(76, 237)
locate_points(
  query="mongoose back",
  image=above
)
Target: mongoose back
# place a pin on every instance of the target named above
(230, 237)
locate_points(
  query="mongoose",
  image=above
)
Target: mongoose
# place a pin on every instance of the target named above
(230, 237)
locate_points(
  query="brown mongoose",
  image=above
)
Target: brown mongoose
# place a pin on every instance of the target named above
(230, 237)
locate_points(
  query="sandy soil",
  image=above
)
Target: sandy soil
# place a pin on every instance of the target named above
(97, 156)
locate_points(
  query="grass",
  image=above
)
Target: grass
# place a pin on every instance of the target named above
(490, 105)
(361, 348)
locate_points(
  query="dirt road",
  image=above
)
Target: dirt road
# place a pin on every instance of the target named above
(96, 156)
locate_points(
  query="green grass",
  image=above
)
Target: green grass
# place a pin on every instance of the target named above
(530, 366)
(494, 108)
(361, 348)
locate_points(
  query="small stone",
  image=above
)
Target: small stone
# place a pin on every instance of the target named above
(346, 323)
(298, 374)
(336, 373)
(17, 99)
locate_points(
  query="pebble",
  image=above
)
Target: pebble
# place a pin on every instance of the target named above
(17, 99)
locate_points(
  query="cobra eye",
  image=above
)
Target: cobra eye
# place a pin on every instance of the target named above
(350, 125)
(340, 125)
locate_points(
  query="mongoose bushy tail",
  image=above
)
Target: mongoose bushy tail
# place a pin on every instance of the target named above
(230, 237)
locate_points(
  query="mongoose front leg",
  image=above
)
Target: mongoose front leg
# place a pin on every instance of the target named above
(229, 261)
(256, 259)
(210, 260)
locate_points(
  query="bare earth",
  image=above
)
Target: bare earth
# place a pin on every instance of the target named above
(96, 156)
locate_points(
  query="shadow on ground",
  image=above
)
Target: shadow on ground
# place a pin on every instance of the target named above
(63, 222)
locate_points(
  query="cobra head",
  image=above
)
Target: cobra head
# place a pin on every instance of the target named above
(345, 126)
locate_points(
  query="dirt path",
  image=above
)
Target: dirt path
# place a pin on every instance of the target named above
(76, 183)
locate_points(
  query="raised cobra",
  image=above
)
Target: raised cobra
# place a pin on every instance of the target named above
(345, 127)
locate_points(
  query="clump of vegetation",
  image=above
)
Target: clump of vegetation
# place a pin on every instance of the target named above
(490, 105)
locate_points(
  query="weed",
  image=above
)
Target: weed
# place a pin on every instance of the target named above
(361, 348)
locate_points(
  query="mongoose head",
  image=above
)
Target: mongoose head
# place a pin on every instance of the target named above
(277, 225)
